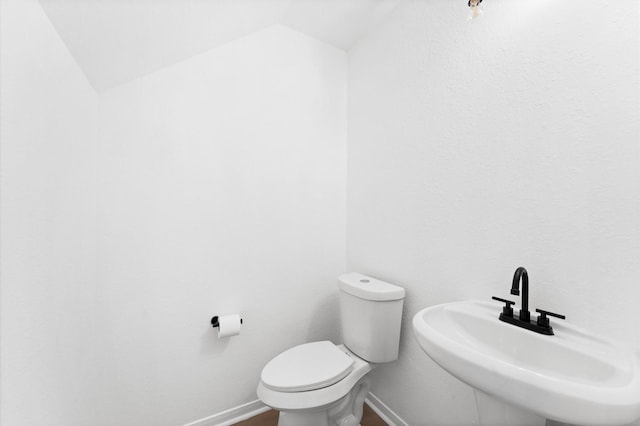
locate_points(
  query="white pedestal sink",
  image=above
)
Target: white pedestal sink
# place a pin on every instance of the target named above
(494, 412)
(572, 377)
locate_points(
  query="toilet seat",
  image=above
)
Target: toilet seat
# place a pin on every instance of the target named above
(319, 398)
(307, 367)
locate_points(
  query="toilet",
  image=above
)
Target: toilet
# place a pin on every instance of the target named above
(324, 384)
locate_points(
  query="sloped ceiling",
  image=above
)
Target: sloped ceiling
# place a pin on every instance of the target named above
(337, 22)
(115, 41)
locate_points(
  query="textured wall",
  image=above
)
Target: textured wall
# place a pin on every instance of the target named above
(477, 147)
(129, 218)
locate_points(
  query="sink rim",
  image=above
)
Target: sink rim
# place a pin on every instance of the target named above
(556, 396)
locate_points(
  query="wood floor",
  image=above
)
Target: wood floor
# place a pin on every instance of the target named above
(270, 418)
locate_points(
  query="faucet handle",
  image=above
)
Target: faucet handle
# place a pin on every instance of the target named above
(507, 310)
(543, 321)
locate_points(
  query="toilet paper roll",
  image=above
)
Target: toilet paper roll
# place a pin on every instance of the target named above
(229, 325)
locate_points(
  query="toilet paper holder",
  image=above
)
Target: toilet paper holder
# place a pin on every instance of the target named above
(216, 324)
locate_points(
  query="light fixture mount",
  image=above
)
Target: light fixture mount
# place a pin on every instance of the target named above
(475, 8)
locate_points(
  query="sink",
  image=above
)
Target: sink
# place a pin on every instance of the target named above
(573, 376)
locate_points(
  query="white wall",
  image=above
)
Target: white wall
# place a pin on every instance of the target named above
(131, 217)
(221, 190)
(50, 326)
(477, 147)
(216, 185)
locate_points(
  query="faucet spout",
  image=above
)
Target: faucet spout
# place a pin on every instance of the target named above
(522, 275)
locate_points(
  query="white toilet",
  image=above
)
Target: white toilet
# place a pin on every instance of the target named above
(323, 384)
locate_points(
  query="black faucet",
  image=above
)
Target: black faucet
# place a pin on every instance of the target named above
(521, 274)
(541, 325)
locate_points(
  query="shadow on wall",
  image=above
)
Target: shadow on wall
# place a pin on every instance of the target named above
(211, 344)
(324, 323)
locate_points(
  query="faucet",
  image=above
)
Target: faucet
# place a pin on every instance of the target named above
(521, 274)
(541, 324)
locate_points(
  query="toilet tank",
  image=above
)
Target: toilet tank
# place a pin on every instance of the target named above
(371, 315)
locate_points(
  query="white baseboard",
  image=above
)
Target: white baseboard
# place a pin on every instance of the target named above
(385, 413)
(232, 416)
(253, 408)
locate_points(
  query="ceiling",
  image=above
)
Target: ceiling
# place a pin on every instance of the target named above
(115, 41)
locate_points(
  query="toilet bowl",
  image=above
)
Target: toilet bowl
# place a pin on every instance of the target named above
(316, 384)
(324, 384)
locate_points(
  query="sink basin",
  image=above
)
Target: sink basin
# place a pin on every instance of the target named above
(571, 377)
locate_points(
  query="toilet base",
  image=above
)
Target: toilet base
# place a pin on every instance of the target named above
(347, 411)
(290, 418)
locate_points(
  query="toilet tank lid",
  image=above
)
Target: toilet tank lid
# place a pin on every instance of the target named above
(369, 288)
